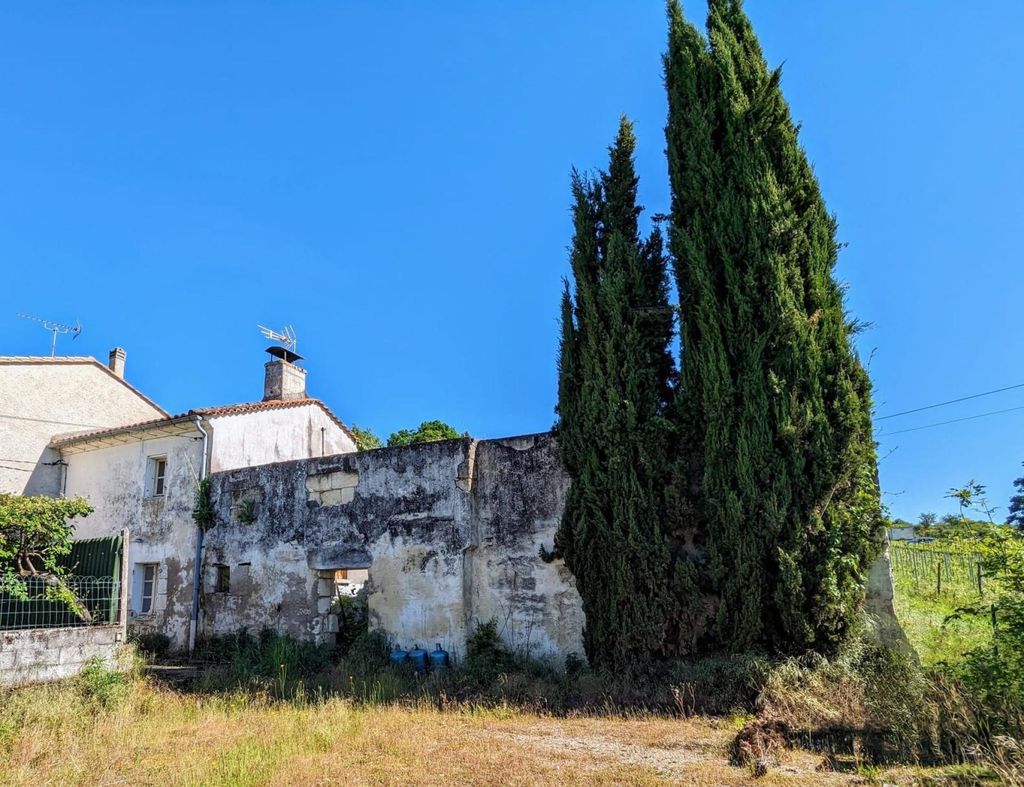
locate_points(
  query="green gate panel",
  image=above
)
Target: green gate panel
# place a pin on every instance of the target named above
(95, 568)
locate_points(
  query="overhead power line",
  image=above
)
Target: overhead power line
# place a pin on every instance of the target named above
(48, 421)
(951, 401)
(954, 421)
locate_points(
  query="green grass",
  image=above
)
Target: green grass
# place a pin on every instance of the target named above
(81, 732)
(929, 615)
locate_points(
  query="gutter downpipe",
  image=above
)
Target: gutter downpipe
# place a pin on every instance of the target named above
(197, 572)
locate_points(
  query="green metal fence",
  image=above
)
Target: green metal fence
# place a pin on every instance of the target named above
(94, 567)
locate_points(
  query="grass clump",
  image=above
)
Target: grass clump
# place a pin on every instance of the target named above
(103, 685)
(276, 662)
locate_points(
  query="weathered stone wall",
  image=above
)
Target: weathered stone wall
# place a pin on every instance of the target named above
(43, 655)
(518, 494)
(450, 531)
(882, 625)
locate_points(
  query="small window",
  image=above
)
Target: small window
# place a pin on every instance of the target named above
(148, 587)
(145, 587)
(223, 584)
(157, 481)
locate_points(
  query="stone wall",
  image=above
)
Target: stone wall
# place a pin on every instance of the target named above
(43, 655)
(450, 532)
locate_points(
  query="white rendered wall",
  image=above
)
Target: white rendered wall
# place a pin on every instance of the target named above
(279, 435)
(114, 481)
(43, 398)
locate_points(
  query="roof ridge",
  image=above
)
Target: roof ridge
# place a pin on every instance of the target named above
(47, 359)
(80, 359)
(224, 410)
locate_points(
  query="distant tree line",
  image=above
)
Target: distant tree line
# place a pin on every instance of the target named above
(427, 432)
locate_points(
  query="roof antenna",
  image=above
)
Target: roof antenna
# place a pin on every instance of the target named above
(55, 328)
(287, 338)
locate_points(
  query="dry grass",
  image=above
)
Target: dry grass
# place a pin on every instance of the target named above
(154, 735)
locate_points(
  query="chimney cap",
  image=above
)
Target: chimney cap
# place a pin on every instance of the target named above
(116, 361)
(284, 354)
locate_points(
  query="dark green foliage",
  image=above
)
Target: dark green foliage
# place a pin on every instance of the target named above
(1016, 511)
(486, 655)
(365, 439)
(247, 511)
(35, 537)
(995, 673)
(368, 653)
(614, 384)
(956, 528)
(777, 466)
(428, 432)
(273, 659)
(102, 685)
(35, 533)
(151, 644)
(353, 618)
(202, 513)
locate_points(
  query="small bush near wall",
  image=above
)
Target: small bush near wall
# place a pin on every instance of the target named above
(151, 644)
(102, 685)
(353, 618)
(275, 661)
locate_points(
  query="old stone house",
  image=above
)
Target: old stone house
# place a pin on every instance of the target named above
(72, 427)
(447, 535)
(145, 477)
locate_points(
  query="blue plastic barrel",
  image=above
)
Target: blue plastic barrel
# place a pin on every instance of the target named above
(399, 656)
(439, 658)
(418, 658)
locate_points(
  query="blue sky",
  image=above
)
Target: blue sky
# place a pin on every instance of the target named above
(392, 179)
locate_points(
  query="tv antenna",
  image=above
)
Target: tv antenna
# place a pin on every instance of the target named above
(55, 328)
(285, 337)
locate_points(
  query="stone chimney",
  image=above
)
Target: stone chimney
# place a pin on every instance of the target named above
(116, 361)
(283, 379)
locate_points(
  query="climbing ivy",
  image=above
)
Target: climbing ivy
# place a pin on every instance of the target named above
(203, 513)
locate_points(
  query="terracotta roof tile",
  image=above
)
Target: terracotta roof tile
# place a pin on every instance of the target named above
(206, 412)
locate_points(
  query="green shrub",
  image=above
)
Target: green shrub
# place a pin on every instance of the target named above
(102, 685)
(273, 660)
(368, 653)
(151, 644)
(486, 655)
(718, 684)
(353, 619)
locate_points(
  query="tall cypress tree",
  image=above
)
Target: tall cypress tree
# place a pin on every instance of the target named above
(777, 458)
(615, 370)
